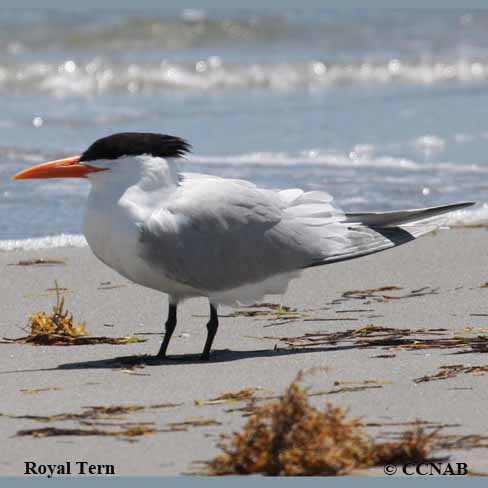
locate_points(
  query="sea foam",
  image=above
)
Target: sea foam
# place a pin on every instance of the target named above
(99, 75)
(48, 242)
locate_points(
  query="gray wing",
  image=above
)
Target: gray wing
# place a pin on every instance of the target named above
(217, 234)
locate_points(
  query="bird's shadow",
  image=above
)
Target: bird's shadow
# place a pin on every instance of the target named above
(217, 356)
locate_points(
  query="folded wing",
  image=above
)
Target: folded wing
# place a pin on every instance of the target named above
(217, 234)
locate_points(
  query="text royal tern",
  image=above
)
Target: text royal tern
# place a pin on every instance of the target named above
(190, 234)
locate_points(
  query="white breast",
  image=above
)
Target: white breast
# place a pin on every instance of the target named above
(118, 204)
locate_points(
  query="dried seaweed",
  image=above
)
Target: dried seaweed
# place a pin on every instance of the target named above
(110, 287)
(350, 387)
(414, 423)
(358, 310)
(92, 416)
(96, 412)
(449, 371)
(377, 295)
(290, 437)
(389, 338)
(273, 306)
(369, 293)
(276, 312)
(104, 423)
(245, 394)
(364, 382)
(39, 262)
(58, 329)
(32, 391)
(279, 314)
(131, 431)
(193, 423)
(98, 416)
(355, 386)
(413, 446)
(134, 373)
(345, 389)
(453, 442)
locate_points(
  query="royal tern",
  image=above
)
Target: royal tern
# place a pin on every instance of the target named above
(190, 234)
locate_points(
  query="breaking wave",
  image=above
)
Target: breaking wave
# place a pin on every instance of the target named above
(473, 217)
(48, 242)
(99, 75)
(359, 157)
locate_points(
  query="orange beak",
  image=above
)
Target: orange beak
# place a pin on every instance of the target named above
(61, 168)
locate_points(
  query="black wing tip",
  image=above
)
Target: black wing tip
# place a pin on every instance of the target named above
(451, 207)
(465, 204)
(135, 144)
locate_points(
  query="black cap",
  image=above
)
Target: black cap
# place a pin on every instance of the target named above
(136, 144)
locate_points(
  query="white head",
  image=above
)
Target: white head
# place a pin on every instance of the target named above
(126, 153)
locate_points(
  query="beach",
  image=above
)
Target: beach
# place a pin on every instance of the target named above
(434, 284)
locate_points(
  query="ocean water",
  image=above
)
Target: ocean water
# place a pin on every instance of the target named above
(383, 109)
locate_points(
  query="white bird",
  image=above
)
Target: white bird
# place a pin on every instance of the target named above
(190, 234)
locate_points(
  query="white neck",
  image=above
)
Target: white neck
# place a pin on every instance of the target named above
(140, 182)
(121, 200)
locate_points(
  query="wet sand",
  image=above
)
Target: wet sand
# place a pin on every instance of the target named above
(439, 280)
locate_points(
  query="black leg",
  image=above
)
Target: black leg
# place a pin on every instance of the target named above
(212, 326)
(170, 327)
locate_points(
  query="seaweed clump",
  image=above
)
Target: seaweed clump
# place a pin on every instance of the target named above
(58, 329)
(290, 437)
(46, 328)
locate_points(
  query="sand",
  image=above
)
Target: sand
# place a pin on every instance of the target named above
(248, 353)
